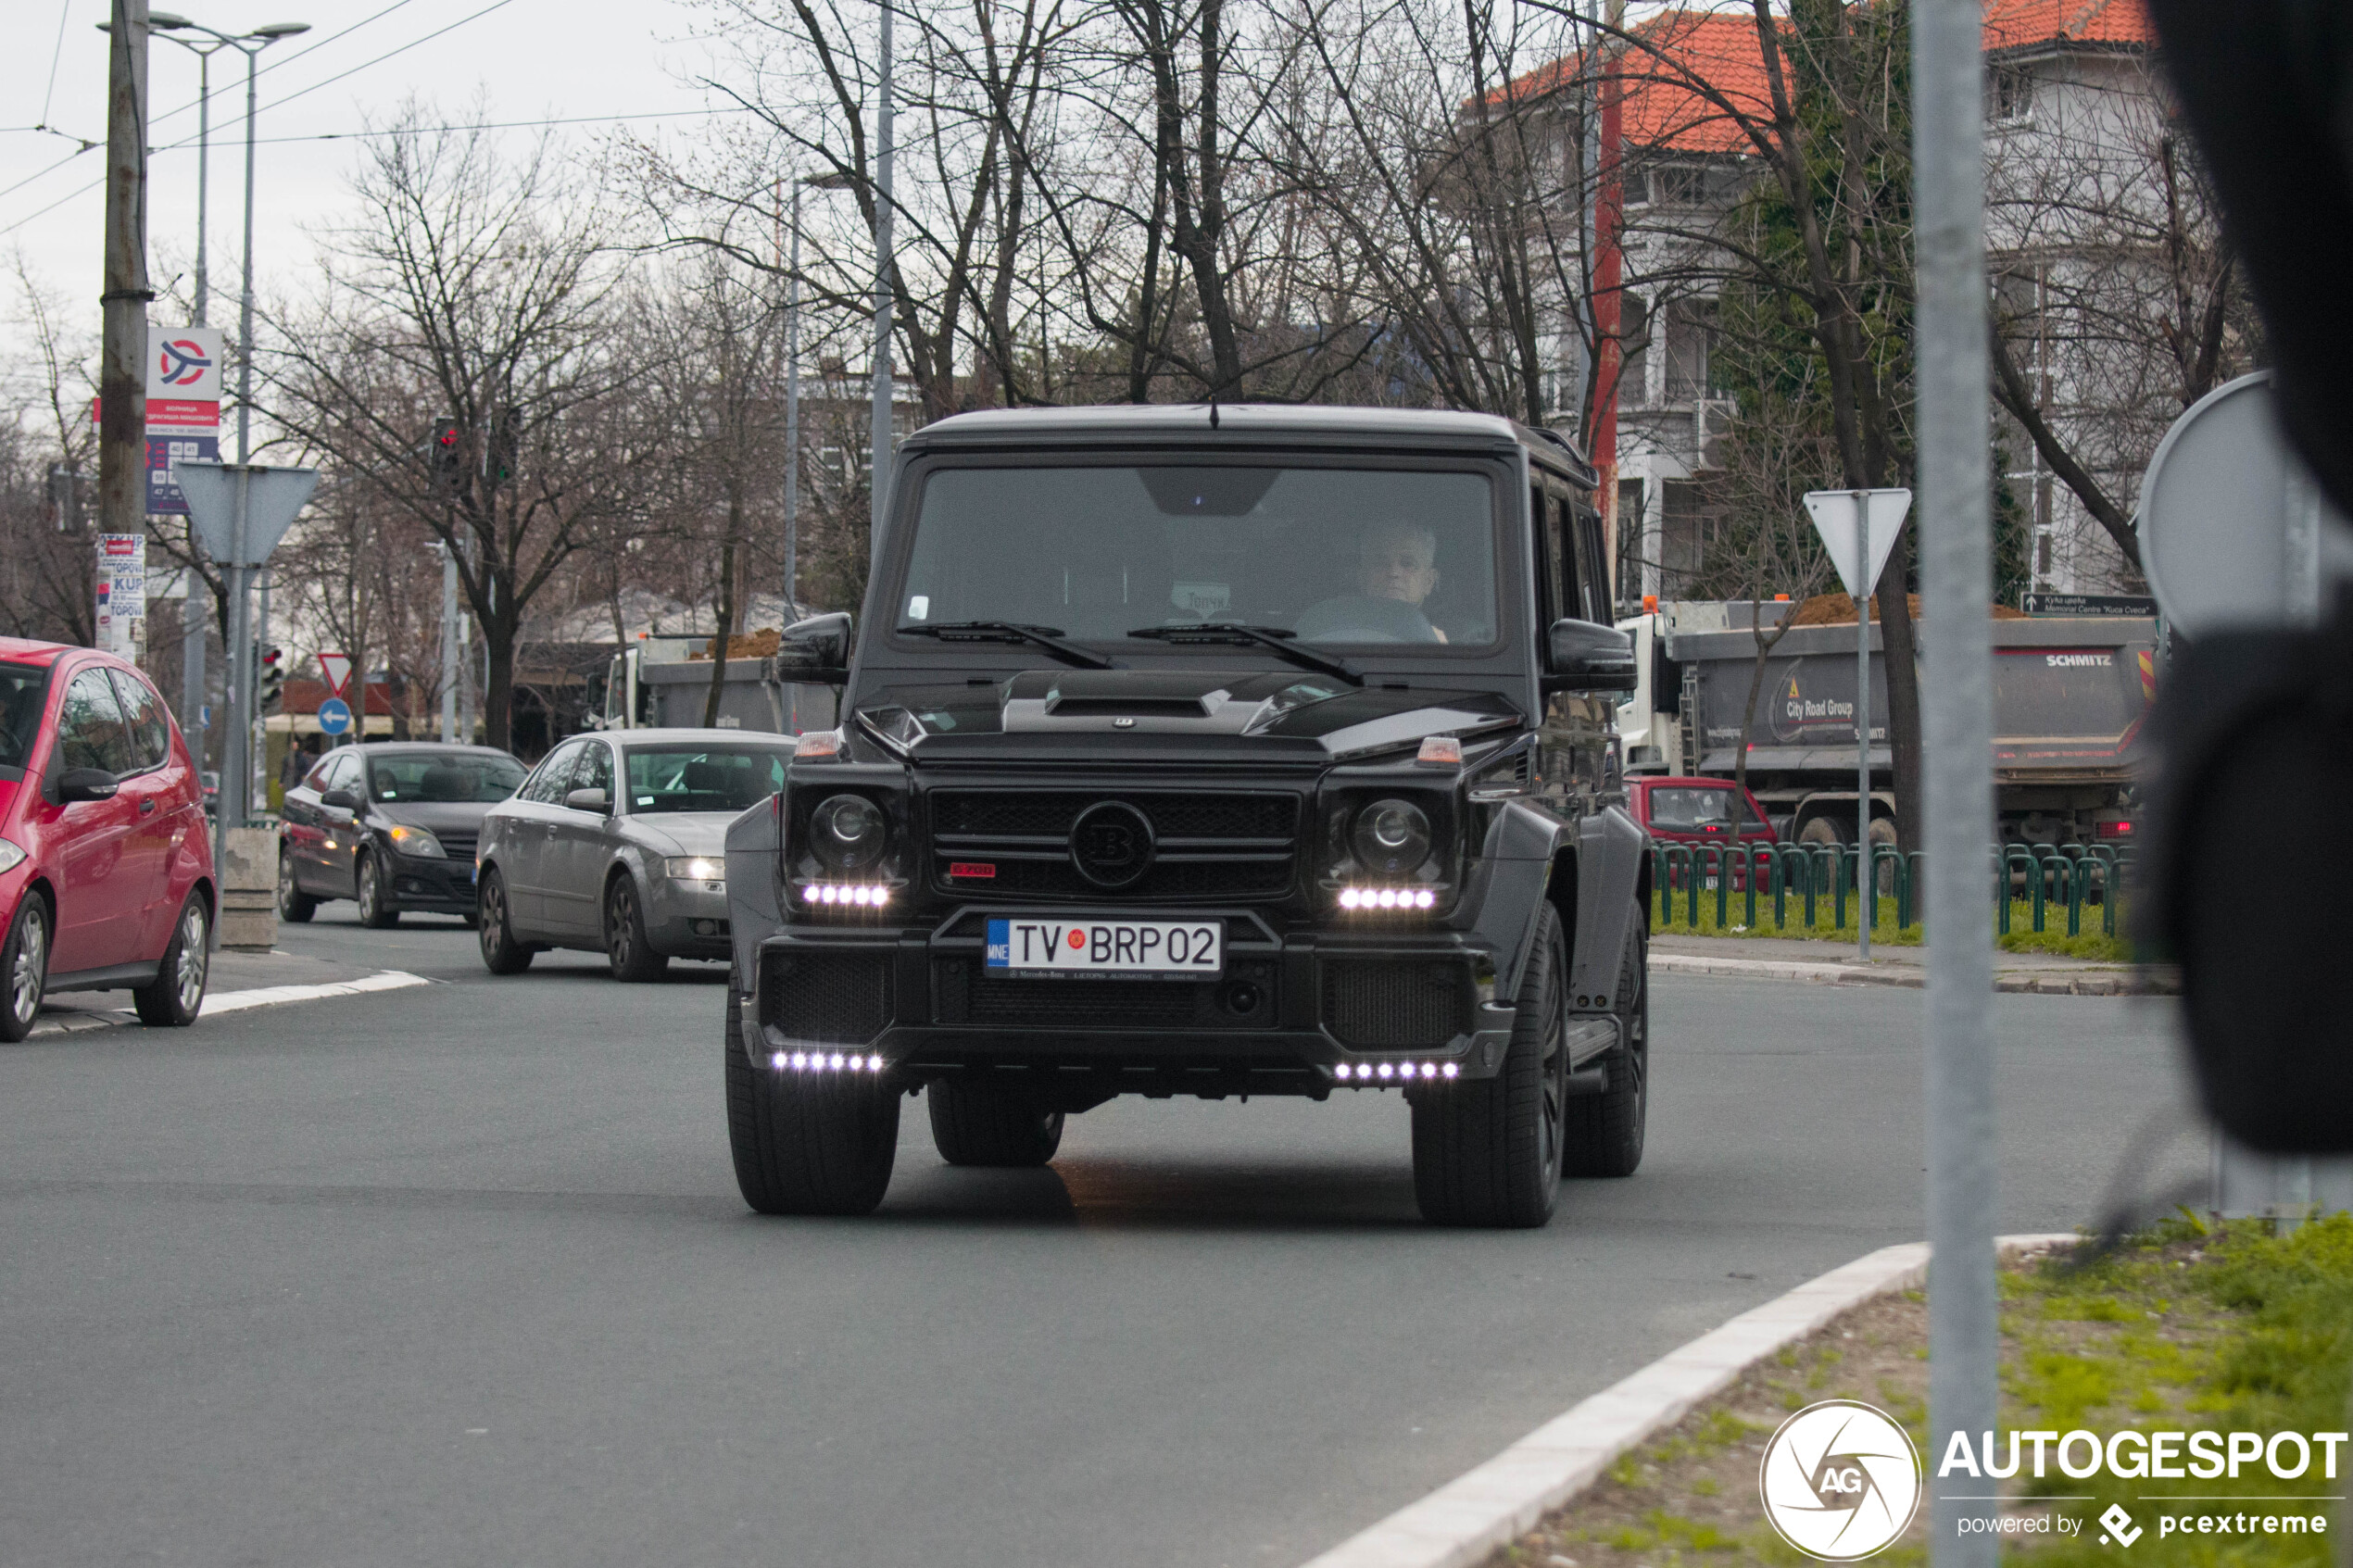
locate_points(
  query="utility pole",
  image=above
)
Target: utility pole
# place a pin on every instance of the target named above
(792, 417)
(1956, 537)
(122, 396)
(883, 298)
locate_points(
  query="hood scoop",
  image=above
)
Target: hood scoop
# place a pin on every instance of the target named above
(1066, 707)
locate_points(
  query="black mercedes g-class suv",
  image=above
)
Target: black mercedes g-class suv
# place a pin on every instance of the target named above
(1204, 751)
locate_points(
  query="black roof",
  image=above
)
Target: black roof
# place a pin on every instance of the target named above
(1245, 425)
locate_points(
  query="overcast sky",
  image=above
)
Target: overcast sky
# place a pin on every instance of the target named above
(529, 58)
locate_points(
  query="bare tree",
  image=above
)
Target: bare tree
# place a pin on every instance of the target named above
(487, 292)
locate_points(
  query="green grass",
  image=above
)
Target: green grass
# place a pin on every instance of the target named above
(2091, 945)
(2233, 1329)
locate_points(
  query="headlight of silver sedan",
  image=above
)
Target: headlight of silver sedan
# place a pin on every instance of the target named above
(708, 871)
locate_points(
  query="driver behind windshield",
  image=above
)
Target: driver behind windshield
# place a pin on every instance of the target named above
(1396, 570)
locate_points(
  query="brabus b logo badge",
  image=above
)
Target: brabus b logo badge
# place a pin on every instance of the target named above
(1112, 844)
(1841, 1481)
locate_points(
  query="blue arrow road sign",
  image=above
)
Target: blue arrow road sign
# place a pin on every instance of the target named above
(335, 716)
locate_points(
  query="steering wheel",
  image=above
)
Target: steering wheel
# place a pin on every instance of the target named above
(1354, 619)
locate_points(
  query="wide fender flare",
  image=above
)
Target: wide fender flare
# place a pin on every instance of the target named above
(1611, 850)
(754, 841)
(1589, 870)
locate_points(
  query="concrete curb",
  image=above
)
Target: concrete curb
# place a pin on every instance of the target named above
(1461, 1523)
(238, 1001)
(2105, 982)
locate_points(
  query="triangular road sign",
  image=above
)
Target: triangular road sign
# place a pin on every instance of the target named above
(1835, 513)
(272, 496)
(337, 668)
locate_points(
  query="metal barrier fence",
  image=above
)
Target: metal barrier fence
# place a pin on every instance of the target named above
(2047, 877)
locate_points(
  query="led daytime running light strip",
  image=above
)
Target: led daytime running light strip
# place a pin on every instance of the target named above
(858, 893)
(1395, 1071)
(822, 1061)
(1387, 898)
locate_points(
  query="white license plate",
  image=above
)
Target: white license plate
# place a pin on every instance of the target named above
(1080, 948)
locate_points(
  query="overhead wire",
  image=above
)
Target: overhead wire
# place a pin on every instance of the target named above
(290, 97)
(64, 13)
(229, 86)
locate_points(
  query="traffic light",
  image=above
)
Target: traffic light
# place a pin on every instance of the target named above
(272, 679)
(444, 456)
(506, 443)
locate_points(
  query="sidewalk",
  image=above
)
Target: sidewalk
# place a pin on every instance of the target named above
(238, 981)
(1834, 963)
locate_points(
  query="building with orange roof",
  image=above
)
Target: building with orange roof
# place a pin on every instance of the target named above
(2071, 102)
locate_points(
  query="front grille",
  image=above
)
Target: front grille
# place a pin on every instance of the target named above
(1244, 999)
(1395, 1002)
(1207, 846)
(838, 997)
(456, 846)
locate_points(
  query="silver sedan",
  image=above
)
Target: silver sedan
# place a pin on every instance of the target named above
(616, 844)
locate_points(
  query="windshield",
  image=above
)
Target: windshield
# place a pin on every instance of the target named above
(1334, 555)
(439, 780)
(23, 689)
(702, 778)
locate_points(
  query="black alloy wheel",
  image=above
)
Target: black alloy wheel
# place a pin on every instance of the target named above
(175, 996)
(294, 903)
(374, 914)
(631, 957)
(1606, 1130)
(1487, 1151)
(24, 968)
(501, 954)
(807, 1143)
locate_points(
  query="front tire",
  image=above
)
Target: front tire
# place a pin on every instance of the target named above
(501, 954)
(374, 914)
(812, 1144)
(1606, 1130)
(295, 906)
(978, 1124)
(175, 996)
(631, 957)
(24, 968)
(1488, 1152)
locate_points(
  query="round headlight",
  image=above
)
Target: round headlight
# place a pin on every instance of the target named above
(847, 832)
(1392, 838)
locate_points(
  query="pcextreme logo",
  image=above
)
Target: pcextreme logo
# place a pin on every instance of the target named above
(1841, 1481)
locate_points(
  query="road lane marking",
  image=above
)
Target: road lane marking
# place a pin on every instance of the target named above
(78, 1020)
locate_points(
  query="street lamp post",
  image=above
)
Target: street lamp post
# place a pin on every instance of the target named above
(239, 737)
(883, 296)
(192, 625)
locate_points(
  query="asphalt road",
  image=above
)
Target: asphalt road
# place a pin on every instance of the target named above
(458, 1275)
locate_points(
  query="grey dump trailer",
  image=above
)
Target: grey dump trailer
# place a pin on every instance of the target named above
(656, 685)
(2070, 696)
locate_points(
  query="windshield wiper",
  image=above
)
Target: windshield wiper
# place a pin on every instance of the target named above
(1274, 637)
(1047, 638)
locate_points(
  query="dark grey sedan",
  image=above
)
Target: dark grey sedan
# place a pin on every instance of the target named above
(617, 843)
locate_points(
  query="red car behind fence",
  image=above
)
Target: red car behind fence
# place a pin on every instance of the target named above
(1695, 811)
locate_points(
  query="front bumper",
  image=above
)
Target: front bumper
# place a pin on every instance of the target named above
(431, 884)
(1290, 1010)
(688, 919)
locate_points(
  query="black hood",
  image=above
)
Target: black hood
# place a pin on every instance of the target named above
(1161, 715)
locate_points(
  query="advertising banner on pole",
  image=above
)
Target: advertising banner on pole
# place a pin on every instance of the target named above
(122, 594)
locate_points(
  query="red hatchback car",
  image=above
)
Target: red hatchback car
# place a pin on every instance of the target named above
(106, 866)
(1698, 810)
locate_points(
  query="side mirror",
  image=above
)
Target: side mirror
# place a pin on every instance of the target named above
(341, 799)
(1584, 655)
(85, 784)
(595, 801)
(816, 649)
